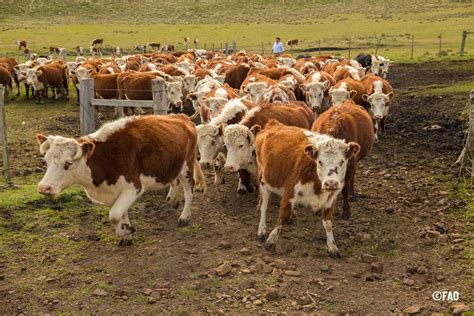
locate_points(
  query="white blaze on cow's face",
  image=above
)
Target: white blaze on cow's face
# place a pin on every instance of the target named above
(240, 144)
(65, 159)
(375, 67)
(256, 90)
(32, 78)
(339, 95)
(315, 93)
(20, 71)
(379, 104)
(288, 81)
(210, 143)
(174, 93)
(331, 156)
(70, 67)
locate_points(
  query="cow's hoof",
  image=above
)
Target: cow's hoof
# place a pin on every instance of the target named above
(270, 246)
(125, 242)
(251, 189)
(289, 221)
(262, 237)
(128, 228)
(198, 189)
(335, 254)
(183, 222)
(346, 215)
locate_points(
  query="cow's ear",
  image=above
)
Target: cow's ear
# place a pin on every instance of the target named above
(352, 150)
(365, 97)
(221, 129)
(39, 72)
(352, 93)
(311, 151)
(84, 149)
(303, 87)
(43, 142)
(390, 95)
(255, 129)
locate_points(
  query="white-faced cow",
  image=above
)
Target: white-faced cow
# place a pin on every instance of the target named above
(123, 160)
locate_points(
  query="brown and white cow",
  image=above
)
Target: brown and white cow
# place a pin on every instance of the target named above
(352, 123)
(347, 89)
(304, 168)
(6, 79)
(240, 141)
(378, 97)
(111, 166)
(48, 76)
(316, 89)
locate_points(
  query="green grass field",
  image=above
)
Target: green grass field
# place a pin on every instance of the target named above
(327, 23)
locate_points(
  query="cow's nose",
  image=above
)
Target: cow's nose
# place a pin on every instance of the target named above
(378, 117)
(206, 165)
(331, 185)
(45, 189)
(230, 169)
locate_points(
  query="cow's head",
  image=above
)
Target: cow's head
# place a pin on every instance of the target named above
(20, 71)
(32, 76)
(210, 143)
(70, 66)
(214, 103)
(255, 90)
(120, 61)
(65, 159)
(341, 94)
(331, 156)
(189, 83)
(288, 81)
(375, 66)
(379, 104)
(286, 61)
(82, 73)
(240, 143)
(174, 94)
(315, 93)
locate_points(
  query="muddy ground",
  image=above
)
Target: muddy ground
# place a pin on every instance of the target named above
(408, 236)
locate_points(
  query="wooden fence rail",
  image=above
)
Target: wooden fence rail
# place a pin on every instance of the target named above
(88, 103)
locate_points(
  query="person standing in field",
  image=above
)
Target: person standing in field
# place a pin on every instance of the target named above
(277, 47)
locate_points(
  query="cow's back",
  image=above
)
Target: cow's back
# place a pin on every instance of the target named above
(350, 122)
(292, 114)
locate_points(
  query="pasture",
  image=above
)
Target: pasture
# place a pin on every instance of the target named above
(411, 230)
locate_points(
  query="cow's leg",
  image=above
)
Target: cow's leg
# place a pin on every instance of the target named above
(17, 82)
(376, 130)
(264, 198)
(118, 216)
(348, 189)
(327, 224)
(171, 197)
(283, 217)
(218, 166)
(244, 182)
(27, 88)
(187, 181)
(382, 125)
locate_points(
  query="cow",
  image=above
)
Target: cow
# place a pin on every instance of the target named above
(302, 167)
(167, 48)
(9, 64)
(79, 50)
(20, 74)
(6, 79)
(378, 97)
(21, 44)
(154, 46)
(343, 72)
(53, 75)
(240, 141)
(210, 135)
(53, 50)
(277, 94)
(316, 89)
(212, 102)
(236, 74)
(196, 43)
(385, 64)
(123, 160)
(117, 52)
(352, 123)
(95, 52)
(369, 62)
(141, 48)
(293, 42)
(347, 89)
(98, 42)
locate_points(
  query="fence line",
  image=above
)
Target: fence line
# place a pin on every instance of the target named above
(3, 137)
(88, 103)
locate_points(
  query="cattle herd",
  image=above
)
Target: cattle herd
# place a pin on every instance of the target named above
(294, 127)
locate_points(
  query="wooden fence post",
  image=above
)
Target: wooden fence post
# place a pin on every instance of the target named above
(350, 43)
(205, 46)
(226, 49)
(263, 50)
(234, 47)
(213, 48)
(463, 43)
(158, 87)
(3, 136)
(439, 50)
(319, 46)
(87, 119)
(412, 45)
(471, 136)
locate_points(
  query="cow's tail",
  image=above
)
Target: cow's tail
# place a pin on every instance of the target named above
(198, 175)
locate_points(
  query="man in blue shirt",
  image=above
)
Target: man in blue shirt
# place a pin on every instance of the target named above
(278, 48)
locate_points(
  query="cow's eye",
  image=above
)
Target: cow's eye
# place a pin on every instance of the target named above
(341, 163)
(213, 142)
(67, 164)
(320, 163)
(241, 146)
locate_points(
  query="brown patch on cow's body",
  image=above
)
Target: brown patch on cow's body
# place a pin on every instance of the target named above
(135, 85)
(236, 74)
(356, 86)
(105, 86)
(291, 114)
(153, 146)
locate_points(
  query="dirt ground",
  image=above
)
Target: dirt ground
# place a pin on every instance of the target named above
(408, 236)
